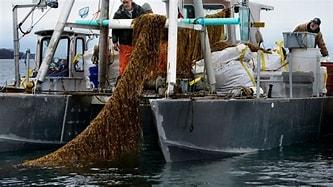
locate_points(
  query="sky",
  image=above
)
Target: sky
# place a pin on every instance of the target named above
(284, 18)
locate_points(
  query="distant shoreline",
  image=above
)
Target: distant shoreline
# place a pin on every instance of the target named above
(9, 54)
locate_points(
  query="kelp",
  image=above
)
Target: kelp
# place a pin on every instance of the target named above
(115, 132)
(189, 45)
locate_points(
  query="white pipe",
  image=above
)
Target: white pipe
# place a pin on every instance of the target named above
(28, 63)
(127, 23)
(258, 76)
(16, 47)
(290, 63)
(205, 47)
(55, 39)
(124, 24)
(120, 23)
(231, 29)
(172, 46)
(318, 76)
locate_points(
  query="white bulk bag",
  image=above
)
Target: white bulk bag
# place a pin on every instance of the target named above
(233, 74)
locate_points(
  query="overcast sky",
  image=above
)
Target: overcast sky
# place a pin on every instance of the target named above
(285, 16)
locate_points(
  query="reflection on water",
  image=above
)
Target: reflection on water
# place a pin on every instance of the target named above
(309, 164)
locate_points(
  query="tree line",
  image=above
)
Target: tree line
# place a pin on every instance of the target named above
(9, 54)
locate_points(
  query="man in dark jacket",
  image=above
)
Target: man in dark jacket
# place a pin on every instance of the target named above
(313, 26)
(122, 38)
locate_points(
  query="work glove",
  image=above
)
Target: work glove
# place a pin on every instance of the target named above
(325, 59)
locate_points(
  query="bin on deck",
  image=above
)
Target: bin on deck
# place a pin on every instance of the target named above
(299, 39)
(93, 75)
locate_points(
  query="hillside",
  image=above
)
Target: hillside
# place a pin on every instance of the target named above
(9, 54)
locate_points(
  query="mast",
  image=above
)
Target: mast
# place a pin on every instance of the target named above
(16, 47)
(172, 46)
(205, 47)
(103, 46)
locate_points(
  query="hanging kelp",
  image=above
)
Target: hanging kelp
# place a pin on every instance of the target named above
(189, 46)
(115, 132)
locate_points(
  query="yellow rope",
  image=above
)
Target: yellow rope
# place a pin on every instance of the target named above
(279, 51)
(241, 59)
(76, 58)
(262, 60)
(195, 80)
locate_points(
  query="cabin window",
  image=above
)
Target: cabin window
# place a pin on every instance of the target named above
(189, 11)
(212, 9)
(209, 9)
(78, 58)
(58, 66)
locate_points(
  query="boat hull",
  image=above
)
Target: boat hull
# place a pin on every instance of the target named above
(29, 122)
(194, 129)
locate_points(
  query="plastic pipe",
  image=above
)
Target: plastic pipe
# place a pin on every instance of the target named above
(318, 76)
(127, 23)
(16, 48)
(27, 53)
(258, 76)
(290, 63)
(212, 21)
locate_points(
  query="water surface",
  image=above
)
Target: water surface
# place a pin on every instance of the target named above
(307, 165)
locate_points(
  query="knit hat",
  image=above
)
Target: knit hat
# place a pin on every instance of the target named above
(316, 21)
(146, 7)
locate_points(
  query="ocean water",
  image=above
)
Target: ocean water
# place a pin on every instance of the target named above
(309, 164)
(7, 70)
(303, 165)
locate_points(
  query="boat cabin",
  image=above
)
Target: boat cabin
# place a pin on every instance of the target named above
(232, 31)
(66, 69)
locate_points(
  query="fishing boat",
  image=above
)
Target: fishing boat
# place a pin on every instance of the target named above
(202, 124)
(284, 108)
(67, 100)
(73, 79)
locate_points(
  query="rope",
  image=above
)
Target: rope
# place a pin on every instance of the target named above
(41, 17)
(32, 25)
(262, 59)
(100, 100)
(279, 51)
(241, 59)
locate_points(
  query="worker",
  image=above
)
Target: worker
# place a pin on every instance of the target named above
(314, 27)
(147, 8)
(122, 38)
